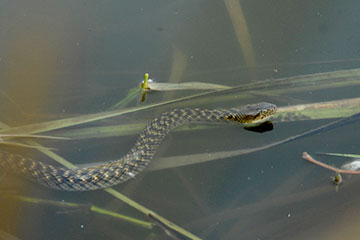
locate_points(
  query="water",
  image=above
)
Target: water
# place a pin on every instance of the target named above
(64, 59)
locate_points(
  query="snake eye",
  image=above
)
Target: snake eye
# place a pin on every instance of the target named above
(229, 117)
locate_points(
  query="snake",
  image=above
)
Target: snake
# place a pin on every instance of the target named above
(110, 173)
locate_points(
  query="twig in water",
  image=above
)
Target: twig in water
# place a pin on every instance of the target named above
(334, 169)
(337, 178)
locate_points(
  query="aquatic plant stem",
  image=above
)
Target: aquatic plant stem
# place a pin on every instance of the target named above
(148, 212)
(89, 207)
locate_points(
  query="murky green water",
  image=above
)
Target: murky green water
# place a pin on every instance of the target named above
(69, 58)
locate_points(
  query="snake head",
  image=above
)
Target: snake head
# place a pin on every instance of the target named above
(252, 113)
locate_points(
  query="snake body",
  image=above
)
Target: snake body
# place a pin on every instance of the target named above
(115, 172)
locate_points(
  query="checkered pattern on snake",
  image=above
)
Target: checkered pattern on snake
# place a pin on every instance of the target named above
(114, 172)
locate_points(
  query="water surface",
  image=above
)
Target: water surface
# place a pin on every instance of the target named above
(64, 59)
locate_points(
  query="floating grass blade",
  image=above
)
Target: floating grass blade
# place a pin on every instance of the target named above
(92, 208)
(321, 110)
(14, 144)
(185, 86)
(298, 83)
(132, 95)
(148, 212)
(169, 231)
(32, 136)
(62, 123)
(347, 155)
(241, 31)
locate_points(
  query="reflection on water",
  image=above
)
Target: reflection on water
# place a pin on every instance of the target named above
(59, 60)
